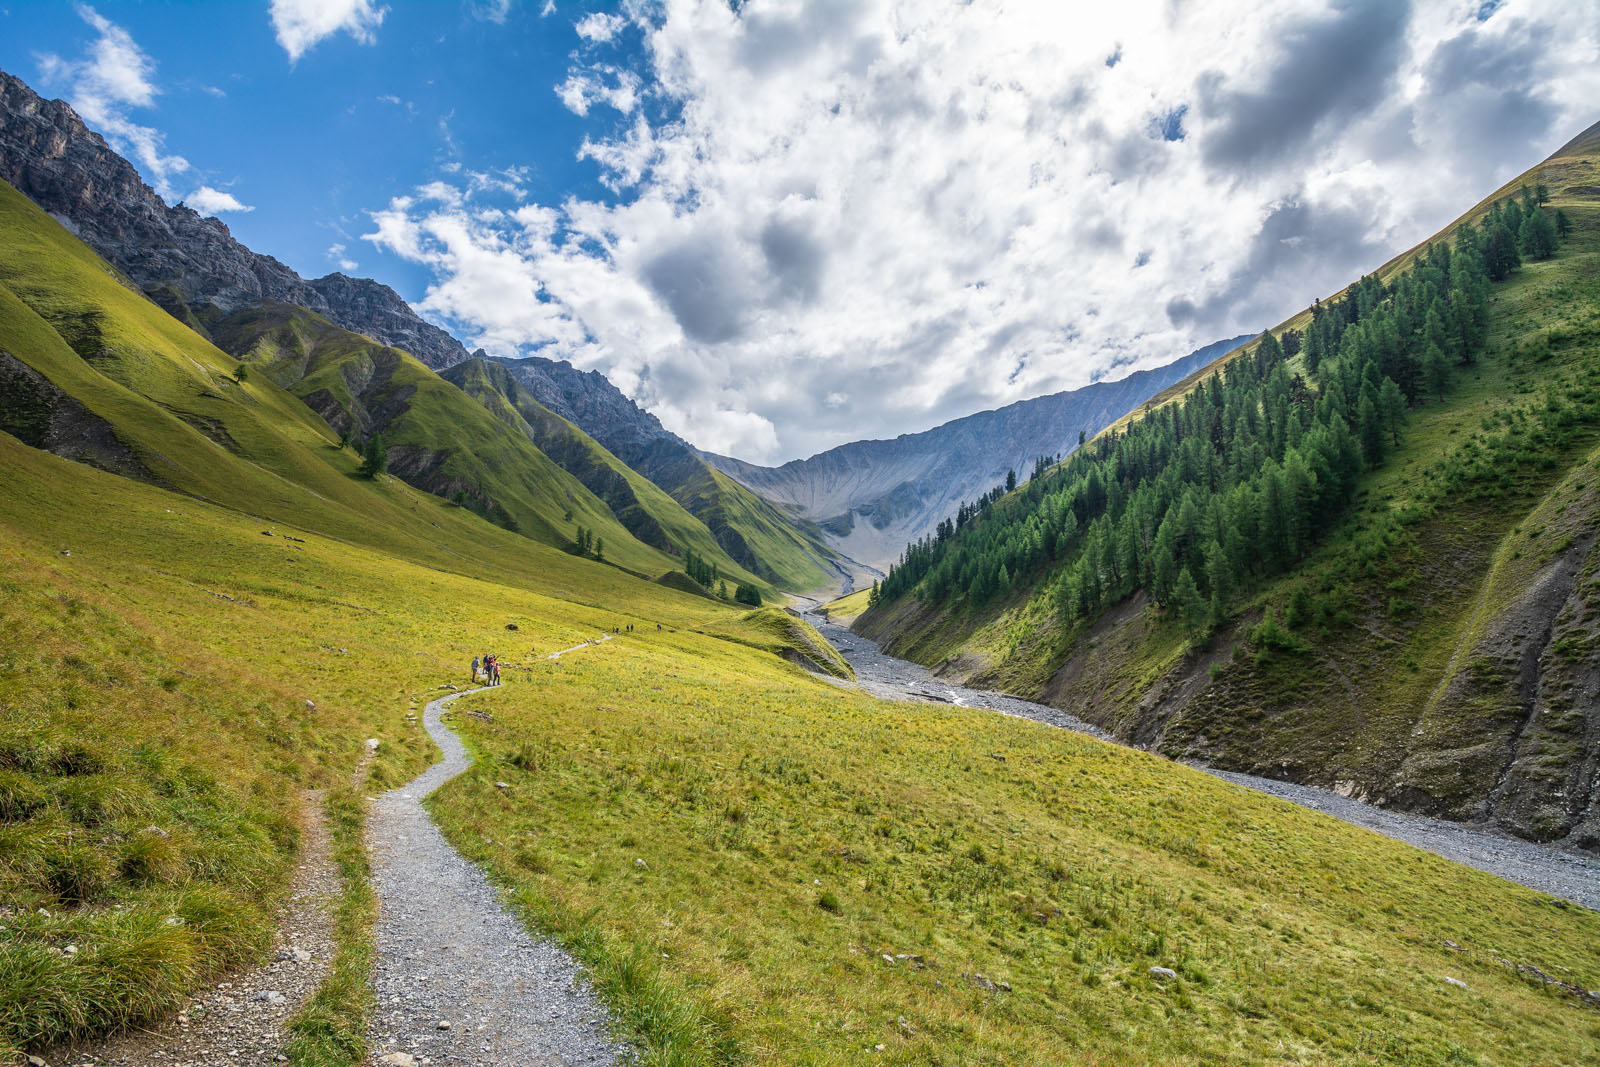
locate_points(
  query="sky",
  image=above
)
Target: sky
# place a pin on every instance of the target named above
(781, 225)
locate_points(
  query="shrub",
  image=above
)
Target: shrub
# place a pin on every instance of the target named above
(76, 871)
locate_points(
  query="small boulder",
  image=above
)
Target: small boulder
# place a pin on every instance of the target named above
(271, 996)
(1163, 972)
(399, 1059)
(372, 744)
(310, 705)
(511, 626)
(1456, 982)
(443, 1024)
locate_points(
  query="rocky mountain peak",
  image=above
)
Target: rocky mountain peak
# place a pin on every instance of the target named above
(184, 260)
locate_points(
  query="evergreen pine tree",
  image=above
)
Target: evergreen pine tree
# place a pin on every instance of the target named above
(1192, 609)
(1536, 239)
(374, 457)
(1436, 369)
(1369, 428)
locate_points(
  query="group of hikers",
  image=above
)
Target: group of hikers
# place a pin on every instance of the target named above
(486, 669)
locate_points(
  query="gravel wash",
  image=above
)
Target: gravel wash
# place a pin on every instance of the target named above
(1559, 872)
(241, 1020)
(458, 979)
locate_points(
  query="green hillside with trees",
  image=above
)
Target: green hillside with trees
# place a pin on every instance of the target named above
(1187, 577)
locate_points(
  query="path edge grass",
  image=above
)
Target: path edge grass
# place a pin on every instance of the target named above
(646, 1009)
(330, 1029)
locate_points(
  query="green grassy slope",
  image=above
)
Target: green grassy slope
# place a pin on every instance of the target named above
(644, 508)
(1443, 663)
(790, 550)
(440, 441)
(1022, 881)
(781, 548)
(160, 656)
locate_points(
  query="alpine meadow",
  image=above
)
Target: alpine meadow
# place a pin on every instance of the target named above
(1068, 670)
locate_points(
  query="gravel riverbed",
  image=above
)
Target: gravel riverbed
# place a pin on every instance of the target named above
(459, 980)
(1569, 875)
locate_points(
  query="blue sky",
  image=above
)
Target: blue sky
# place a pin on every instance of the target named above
(781, 225)
(312, 146)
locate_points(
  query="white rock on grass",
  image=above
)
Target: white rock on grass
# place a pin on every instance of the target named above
(1163, 972)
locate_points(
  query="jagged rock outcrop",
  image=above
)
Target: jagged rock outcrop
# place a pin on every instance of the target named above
(189, 264)
(875, 497)
(587, 399)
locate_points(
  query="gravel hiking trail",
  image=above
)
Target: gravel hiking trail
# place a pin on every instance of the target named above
(1561, 873)
(458, 979)
(241, 1020)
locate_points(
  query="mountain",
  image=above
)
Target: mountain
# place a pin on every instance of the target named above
(189, 264)
(1359, 553)
(360, 357)
(783, 548)
(875, 497)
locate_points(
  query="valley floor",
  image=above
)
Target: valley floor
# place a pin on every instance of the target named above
(1561, 873)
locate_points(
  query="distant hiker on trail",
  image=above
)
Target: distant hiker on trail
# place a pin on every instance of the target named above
(474, 668)
(495, 668)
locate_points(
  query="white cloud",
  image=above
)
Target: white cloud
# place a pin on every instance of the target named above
(300, 24)
(212, 90)
(908, 211)
(496, 11)
(617, 89)
(599, 26)
(209, 201)
(336, 253)
(112, 77)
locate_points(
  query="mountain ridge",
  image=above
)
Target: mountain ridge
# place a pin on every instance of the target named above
(875, 496)
(182, 260)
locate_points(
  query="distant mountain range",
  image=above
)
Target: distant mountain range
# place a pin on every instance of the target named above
(872, 498)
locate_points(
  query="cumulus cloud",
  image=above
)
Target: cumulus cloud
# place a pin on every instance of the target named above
(300, 24)
(889, 213)
(209, 201)
(112, 77)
